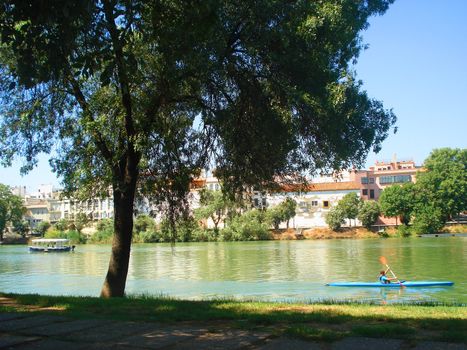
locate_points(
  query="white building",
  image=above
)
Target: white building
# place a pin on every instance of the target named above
(313, 202)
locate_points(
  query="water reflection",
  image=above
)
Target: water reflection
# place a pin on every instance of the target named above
(290, 270)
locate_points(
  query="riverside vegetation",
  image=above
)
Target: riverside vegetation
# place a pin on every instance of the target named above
(241, 224)
(423, 207)
(439, 194)
(326, 321)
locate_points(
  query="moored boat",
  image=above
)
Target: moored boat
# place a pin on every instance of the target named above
(51, 245)
(392, 285)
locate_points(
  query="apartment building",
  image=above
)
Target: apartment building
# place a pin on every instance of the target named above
(383, 174)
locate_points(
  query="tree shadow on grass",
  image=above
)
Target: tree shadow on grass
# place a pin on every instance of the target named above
(325, 322)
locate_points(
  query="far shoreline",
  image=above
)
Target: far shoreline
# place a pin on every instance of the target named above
(317, 233)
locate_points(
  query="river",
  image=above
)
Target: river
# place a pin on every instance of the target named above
(268, 270)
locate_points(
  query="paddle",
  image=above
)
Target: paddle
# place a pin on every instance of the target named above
(383, 261)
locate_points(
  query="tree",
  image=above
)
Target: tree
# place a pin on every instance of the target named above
(275, 216)
(349, 206)
(213, 206)
(398, 201)
(289, 208)
(368, 213)
(11, 209)
(284, 211)
(428, 219)
(42, 227)
(138, 97)
(144, 223)
(80, 221)
(443, 182)
(21, 227)
(335, 218)
(62, 225)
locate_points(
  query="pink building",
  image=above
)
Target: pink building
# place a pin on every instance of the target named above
(382, 175)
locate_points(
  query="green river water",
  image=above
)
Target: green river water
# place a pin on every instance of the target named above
(269, 270)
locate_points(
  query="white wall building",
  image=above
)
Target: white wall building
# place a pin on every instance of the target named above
(313, 202)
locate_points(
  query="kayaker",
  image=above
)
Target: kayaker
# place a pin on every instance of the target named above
(385, 279)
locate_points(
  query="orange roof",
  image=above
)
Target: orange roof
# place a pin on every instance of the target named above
(324, 186)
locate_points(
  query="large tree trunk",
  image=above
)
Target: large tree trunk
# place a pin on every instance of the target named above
(124, 197)
(114, 284)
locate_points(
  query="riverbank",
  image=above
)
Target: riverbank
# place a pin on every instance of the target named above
(325, 322)
(324, 233)
(298, 234)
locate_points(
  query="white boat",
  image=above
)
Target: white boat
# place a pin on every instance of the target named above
(51, 245)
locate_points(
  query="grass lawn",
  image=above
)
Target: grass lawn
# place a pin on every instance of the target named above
(326, 322)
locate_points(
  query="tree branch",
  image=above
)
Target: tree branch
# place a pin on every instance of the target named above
(121, 70)
(81, 99)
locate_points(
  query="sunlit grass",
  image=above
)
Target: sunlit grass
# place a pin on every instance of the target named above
(305, 320)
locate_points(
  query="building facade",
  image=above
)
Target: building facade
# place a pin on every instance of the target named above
(383, 174)
(313, 202)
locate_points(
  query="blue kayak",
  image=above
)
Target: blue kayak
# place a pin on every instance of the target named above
(391, 285)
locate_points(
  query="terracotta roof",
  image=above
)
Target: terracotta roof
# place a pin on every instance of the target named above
(324, 186)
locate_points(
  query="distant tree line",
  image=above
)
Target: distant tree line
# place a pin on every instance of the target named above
(232, 220)
(439, 194)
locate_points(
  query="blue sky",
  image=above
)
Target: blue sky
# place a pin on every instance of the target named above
(415, 64)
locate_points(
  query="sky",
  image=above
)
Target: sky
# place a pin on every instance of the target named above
(415, 64)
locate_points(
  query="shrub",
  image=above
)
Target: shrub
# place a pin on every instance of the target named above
(144, 223)
(204, 235)
(62, 225)
(248, 227)
(404, 230)
(74, 236)
(184, 230)
(147, 237)
(104, 232)
(42, 227)
(53, 233)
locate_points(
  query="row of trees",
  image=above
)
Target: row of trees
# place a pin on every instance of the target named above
(217, 207)
(351, 207)
(232, 219)
(439, 194)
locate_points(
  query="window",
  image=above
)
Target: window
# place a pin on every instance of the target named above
(364, 180)
(394, 179)
(303, 207)
(314, 203)
(372, 194)
(365, 192)
(371, 180)
(325, 204)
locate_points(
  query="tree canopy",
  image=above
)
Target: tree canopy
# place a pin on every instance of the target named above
(214, 206)
(143, 94)
(443, 182)
(284, 211)
(349, 205)
(11, 209)
(368, 213)
(398, 201)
